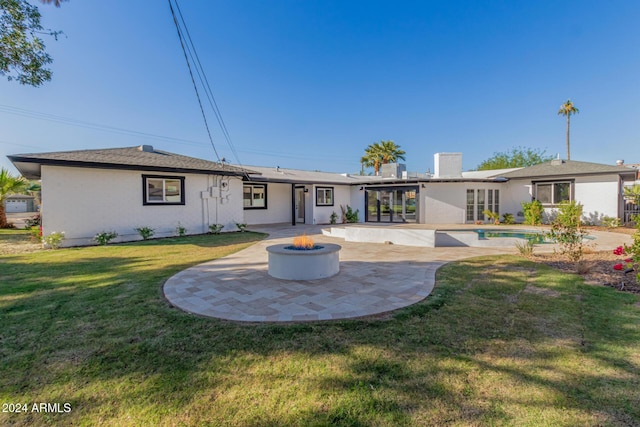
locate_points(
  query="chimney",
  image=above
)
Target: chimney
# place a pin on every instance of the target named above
(393, 170)
(447, 165)
(620, 162)
(557, 161)
(146, 148)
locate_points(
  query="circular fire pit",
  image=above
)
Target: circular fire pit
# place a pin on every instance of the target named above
(289, 263)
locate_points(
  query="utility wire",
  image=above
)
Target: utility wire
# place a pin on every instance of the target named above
(89, 125)
(121, 131)
(207, 87)
(195, 86)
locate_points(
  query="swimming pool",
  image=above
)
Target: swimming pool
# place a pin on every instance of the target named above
(536, 237)
(533, 236)
(429, 237)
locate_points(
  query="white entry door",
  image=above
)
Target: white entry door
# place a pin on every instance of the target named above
(300, 205)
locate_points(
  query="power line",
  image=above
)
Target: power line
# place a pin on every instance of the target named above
(195, 86)
(68, 121)
(89, 125)
(207, 87)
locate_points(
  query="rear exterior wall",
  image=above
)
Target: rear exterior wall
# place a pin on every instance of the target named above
(82, 202)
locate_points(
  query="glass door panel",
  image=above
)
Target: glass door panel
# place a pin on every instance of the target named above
(410, 208)
(373, 206)
(392, 205)
(386, 204)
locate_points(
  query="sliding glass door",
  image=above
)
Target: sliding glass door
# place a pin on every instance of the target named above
(392, 204)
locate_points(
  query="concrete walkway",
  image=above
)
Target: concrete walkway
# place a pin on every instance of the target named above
(374, 278)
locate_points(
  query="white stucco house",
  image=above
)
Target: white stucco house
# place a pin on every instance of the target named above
(85, 192)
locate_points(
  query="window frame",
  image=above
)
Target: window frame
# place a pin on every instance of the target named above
(470, 205)
(252, 186)
(325, 189)
(164, 178)
(552, 185)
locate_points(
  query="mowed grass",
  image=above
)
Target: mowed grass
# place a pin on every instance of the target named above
(500, 342)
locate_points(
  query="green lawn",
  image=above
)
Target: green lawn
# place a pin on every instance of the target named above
(501, 342)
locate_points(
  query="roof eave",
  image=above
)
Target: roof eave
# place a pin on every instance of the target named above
(31, 174)
(566, 175)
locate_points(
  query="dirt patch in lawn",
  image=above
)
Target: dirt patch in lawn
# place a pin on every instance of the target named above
(596, 268)
(18, 246)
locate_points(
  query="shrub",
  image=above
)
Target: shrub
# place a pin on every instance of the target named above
(105, 237)
(508, 218)
(567, 231)
(532, 212)
(525, 248)
(145, 232)
(583, 267)
(348, 215)
(34, 221)
(241, 227)
(216, 228)
(333, 218)
(493, 216)
(54, 239)
(634, 250)
(36, 233)
(610, 222)
(180, 230)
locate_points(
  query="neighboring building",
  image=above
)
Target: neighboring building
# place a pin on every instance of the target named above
(85, 192)
(19, 203)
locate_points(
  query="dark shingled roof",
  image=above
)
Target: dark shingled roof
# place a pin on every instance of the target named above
(144, 158)
(558, 167)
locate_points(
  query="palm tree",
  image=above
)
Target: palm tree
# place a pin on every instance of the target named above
(380, 153)
(371, 158)
(9, 185)
(391, 152)
(633, 193)
(567, 109)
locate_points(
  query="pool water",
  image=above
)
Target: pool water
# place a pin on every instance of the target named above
(532, 236)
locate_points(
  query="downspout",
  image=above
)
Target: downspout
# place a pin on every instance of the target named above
(217, 200)
(293, 204)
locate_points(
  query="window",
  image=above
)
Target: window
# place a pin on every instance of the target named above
(324, 196)
(471, 201)
(162, 190)
(254, 196)
(480, 206)
(493, 201)
(552, 193)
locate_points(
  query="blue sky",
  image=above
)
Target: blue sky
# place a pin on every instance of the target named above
(309, 84)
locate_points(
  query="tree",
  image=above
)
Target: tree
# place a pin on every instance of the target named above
(517, 157)
(9, 185)
(633, 193)
(380, 153)
(567, 109)
(22, 51)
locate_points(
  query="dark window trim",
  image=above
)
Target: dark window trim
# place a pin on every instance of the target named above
(145, 202)
(572, 188)
(333, 196)
(266, 198)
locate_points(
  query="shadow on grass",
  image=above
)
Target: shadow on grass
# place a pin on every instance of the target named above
(98, 334)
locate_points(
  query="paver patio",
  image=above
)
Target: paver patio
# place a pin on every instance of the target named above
(373, 278)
